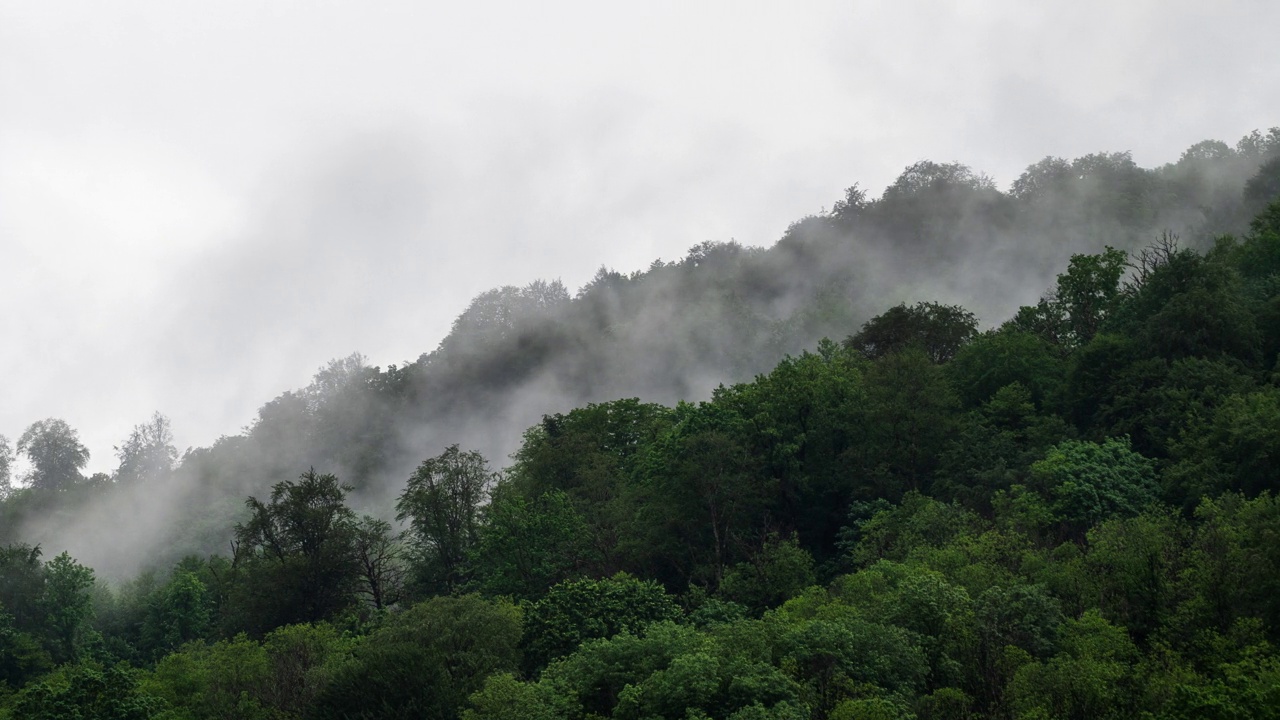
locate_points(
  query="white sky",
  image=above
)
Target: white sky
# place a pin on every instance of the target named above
(201, 203)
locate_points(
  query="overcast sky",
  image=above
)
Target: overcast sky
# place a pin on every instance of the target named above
(202, 203)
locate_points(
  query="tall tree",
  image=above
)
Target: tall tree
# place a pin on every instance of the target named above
(526, 546)
(442, 504)
(939, 330)
(910, 412)
(380, 555)
(56, 454)
(298, 551)
(148, 454)
(1085, 297)
(6, 467)
(22, 586)
(590, 455)
(67, 605)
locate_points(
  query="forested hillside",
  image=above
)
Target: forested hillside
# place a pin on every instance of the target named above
(1065, 509)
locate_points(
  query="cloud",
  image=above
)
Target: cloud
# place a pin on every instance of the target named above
(199, 207)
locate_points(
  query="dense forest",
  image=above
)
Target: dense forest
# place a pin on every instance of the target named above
(829, 490)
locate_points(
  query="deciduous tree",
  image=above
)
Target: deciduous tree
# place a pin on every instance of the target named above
(56, 454)
(442, 505)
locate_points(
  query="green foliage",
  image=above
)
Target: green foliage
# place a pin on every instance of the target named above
(939, 330)
(224, 680)
(587, 452)
(21, 656)
(799, 421)
(837, 655)
(1249, 688)
(65, 605)
(892, 532)
(442, 504)
(380, 556)
(87, 691)
(994, 447)
(1088, 292)
(985, 510)
(1136, 564)
(1232, 449)
(945, 704)
(241, 678)
(295, 555)
(1232, 566)
(778, 571)
(526, 546)
(45, 609)
(575, 611)
(178, 613)
(1160, 404)
(1190, 305)
(300, 659)
(592, 455)
(1085, 680)
(1091, 374)
(503, 697)
(869, 709)
(1086, 296)
(995, 359)
(704, 493)
(921, 601)
(1259, 254)
(1087, 482)
(22, 585)
(910, 413)
(1024, 616)
(424, 662)
(670, 672)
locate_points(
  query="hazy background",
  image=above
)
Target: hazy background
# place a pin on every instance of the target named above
(200, 205)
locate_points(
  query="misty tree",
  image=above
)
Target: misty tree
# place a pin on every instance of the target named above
(56, 454)
(1260, 146)
(148, 454)
(1043, 179)
(496, 315)
(929, 175)
(6, 467)
(349, 417)
(297, 551)
(442, 504)
(851, 205)
(932, 206)
(1264, 186)
(1207, 151)
(939, 330)
(380, 554)
(332, 380)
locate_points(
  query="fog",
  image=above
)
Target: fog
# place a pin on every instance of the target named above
(201, 207)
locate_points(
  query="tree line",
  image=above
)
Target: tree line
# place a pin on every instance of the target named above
(1069, 515)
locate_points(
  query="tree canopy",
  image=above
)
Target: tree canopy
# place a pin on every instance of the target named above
(1071, 512)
